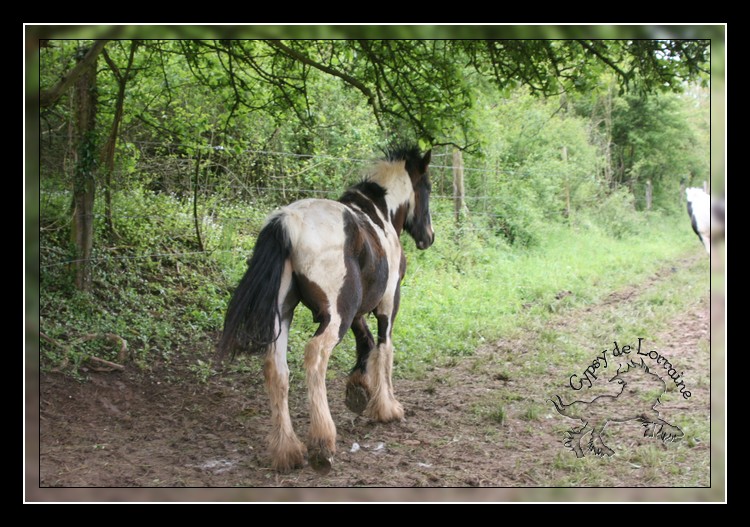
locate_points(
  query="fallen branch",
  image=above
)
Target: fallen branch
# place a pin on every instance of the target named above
(106, 363)
(109, 366)
(121, 355)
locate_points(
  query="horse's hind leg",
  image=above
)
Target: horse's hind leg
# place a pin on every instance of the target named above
(357, 386)
(287, 451)
(322, 439)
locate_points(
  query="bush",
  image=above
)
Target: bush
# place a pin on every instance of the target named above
(616, 215)
(516, 219)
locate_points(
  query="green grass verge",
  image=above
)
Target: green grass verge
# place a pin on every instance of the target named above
(470, 287)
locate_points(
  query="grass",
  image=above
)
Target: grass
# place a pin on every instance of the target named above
(469, 288)
(450, 310)
(571, 344)
(538, 314)
(531, 413)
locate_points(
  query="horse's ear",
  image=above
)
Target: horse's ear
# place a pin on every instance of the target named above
(426, 160)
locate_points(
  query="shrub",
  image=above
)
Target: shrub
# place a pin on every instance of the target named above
(617, 216)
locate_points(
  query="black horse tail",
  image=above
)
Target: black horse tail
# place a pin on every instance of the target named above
(250, 321)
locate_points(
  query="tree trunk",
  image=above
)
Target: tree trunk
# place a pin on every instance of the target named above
(195, 200)
(649, 194)
(458, 183)
(49, 97)
(108, 154)
(84, 184)
(608, 138)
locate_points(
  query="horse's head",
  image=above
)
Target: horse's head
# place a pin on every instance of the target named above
(403, 176)
(418, 220)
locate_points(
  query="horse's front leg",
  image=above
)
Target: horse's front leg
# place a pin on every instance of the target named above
(657, 427)
(383, 405)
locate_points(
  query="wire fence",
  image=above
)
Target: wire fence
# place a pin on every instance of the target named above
(214, 181)
(170, 166)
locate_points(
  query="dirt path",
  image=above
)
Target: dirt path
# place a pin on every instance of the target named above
(478, 422)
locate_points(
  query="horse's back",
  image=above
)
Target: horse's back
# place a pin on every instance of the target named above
(312, 222)
(341, 250)
(316, 233)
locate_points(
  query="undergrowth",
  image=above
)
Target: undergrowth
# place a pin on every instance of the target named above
(154, 287)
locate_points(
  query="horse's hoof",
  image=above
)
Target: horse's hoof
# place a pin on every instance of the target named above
(287, 465)
(321, 463)
(287, 460)
(356, 398)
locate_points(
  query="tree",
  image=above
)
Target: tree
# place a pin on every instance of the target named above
(84, 182)
(421, 85)
(415, 89)
(108, 152)
(653, 142)
(49, 96)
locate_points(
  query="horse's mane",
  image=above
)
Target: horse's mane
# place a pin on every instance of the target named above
(402, 152)
(388, 171)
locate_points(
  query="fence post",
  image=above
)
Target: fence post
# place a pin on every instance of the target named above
(649, 194)
(567, 183)
(458, 183)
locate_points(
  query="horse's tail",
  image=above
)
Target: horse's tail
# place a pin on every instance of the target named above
(251, 322)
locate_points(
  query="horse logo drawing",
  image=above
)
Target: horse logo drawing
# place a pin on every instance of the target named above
(637, 401)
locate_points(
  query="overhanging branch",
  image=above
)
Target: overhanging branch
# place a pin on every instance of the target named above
(51, 96)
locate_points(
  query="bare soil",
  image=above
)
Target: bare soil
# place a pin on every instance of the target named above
(164, 428)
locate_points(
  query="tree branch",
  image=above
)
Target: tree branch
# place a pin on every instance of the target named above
(112, 66)
(277, 44)
(51, 96)
(604, 59)
(392, 90)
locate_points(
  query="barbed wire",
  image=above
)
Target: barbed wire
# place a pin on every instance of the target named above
(360, 160)
(132, 257)
(210, 218)
(293, 190)
(214, 187)
(99, 259)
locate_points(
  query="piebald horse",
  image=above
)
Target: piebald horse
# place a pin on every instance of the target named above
(343, 260)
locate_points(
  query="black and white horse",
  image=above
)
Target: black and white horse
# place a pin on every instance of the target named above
(343, 260)
(699, 210)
